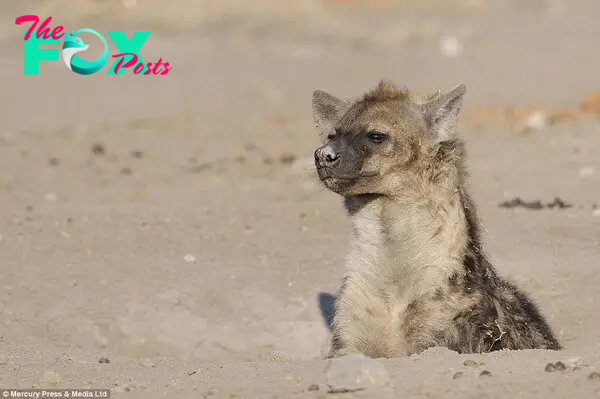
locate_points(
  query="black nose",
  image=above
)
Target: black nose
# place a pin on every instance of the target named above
(325, 156)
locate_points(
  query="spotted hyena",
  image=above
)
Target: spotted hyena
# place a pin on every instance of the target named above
(417, 275)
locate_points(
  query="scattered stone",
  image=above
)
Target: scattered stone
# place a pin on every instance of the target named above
(137, 154)
(54, 161)
(560, 366)
(534, 205)
(267, 161)
(594, 376)
(354, 372)
(189, 258)
(98, 149)
(50, 377)
(28, 208)
(126, 171)
(103, 360)
(470, 363)
(313, 387)
(287, 158)
(558, 203)
(457, 375)
(550, 368)
(190, 373)
(485, 373)
(240, 159)
(518, 202)
(538, 120)
(450, 46)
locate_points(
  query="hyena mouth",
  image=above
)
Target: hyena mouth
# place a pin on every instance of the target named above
(328, 174)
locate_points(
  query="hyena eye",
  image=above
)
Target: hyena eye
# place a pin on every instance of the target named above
(376, 137)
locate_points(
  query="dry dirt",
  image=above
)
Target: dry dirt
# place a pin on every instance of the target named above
(169, 223)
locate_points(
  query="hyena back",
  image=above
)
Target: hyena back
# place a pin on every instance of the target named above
(416, 276)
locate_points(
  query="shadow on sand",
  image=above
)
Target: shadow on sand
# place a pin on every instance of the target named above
(326, 305)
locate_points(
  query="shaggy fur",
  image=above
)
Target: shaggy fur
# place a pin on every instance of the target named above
(416, 276)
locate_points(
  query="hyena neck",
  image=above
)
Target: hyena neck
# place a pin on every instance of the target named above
(416, 244)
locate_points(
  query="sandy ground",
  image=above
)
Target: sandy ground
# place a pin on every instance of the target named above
(169, 224)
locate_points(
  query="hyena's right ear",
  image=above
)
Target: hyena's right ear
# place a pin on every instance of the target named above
(327, 111)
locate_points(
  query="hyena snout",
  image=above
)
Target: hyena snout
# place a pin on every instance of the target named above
(326, 157)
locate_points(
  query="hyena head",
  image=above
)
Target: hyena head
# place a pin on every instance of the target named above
(382, 142)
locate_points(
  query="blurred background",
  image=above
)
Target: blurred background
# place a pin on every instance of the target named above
(175, 215)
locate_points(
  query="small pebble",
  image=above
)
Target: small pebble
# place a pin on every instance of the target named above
(485, 373)
(137, 154)
(450, 46)
(189, 258)
(560, 366)
(594, 376)
(536, 121)
(287, 158)
(470, 363)
(126, 171)
(103, 360)
(54, 161)
(550, 367)
(98, 149)
(355, 372)
(313, 387)
(457, 375)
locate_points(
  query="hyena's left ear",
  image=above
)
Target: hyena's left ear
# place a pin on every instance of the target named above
(327, 111)
(441, 113)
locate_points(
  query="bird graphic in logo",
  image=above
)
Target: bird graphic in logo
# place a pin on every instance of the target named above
(73, 45)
